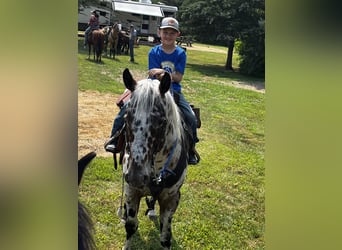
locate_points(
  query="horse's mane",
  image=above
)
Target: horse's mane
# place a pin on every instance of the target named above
(85, 229)
(145, 96)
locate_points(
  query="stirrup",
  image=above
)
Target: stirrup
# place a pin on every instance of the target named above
(110, 141)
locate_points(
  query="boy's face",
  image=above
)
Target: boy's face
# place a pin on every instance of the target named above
(168, 35)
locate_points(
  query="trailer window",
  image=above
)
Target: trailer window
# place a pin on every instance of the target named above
(102, 13)
(146, 17)
(167, 13)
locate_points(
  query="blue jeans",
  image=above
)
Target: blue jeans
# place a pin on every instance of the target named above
(119, 120)
(86, 32)
(188, 114)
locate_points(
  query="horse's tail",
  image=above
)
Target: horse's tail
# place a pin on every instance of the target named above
(99, 43)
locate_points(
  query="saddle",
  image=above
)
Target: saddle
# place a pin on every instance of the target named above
(123, 98)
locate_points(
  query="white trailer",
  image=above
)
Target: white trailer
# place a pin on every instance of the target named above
(144, 15)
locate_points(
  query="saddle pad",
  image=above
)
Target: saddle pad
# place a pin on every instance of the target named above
(123, 98)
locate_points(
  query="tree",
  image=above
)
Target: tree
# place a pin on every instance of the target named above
(168, 2)
(252, 51)
(88, 2)
(222, 21)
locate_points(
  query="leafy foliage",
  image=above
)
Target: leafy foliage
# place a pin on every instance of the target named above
(252, 52)
(222, 22)
(88, 2)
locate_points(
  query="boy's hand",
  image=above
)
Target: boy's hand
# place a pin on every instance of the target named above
(156, 73)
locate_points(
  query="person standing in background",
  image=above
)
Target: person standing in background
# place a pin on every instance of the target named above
(132, 38)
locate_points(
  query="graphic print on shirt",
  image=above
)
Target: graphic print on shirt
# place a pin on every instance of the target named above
(168, 66)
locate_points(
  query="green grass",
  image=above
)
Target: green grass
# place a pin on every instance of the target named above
(222, 202)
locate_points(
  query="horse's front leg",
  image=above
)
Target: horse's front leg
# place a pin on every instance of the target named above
(168, 205)
(131, 208)
(105, 49)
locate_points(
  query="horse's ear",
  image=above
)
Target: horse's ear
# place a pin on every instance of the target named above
(82, 164)
(165, 83)
(130, 83)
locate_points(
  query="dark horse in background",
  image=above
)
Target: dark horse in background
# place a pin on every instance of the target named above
(85, 224)
(123, 43)
(155, 159)
(96, 40)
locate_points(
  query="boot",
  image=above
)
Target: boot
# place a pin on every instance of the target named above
(110, 145)
(192, 158)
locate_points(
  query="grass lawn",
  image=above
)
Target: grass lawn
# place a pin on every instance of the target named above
(222, 203)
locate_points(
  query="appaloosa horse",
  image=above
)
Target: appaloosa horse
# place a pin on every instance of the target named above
(155, 158)
(96, 39)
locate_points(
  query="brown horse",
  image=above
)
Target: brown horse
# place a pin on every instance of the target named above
(96, 39)
(113, 39)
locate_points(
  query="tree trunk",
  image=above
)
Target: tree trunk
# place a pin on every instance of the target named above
(229, 63)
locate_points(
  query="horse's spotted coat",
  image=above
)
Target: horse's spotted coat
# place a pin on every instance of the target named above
(153, 130)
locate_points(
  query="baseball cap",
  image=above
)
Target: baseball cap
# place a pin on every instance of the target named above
(169, 22)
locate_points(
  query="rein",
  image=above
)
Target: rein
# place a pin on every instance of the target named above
(165, 168)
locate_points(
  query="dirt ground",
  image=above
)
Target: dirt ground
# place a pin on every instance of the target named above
(96, 112)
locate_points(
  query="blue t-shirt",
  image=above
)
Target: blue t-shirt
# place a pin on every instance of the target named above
(175, 61)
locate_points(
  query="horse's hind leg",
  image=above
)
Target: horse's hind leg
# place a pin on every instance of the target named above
(168, 206)
(132, 200)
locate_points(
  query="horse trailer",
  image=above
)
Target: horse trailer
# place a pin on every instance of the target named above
(144, 15)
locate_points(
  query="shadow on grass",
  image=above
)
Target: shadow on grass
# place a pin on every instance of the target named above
(219, 72)
(152, 241)
(85, 52)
